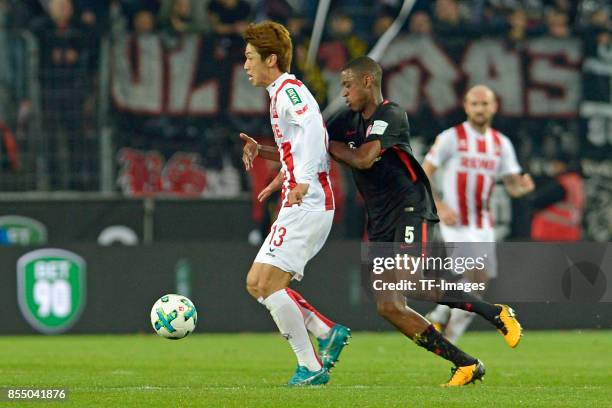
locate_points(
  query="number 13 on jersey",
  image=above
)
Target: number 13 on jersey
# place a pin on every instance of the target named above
(279, 237)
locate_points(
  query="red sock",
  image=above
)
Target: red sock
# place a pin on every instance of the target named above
(315, 322)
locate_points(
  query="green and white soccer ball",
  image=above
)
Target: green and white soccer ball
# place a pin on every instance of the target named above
(173, 316)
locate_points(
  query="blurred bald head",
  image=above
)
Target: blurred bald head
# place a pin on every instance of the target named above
(480, 106)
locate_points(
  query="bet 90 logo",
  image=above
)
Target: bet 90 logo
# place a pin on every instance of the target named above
(51, 288)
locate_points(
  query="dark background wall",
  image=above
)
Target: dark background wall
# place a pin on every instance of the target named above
(124, 282)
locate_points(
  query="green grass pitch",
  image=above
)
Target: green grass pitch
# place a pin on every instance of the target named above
(548, 369)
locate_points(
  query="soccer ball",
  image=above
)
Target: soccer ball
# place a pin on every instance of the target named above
(173, 316)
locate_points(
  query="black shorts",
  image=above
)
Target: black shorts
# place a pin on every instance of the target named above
(410, 228)
(413, 235)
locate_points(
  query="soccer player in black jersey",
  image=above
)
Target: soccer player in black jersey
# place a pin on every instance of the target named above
(372, 137)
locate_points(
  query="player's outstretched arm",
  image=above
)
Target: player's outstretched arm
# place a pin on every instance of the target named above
(252, 149)
(274, 185)
(517, 185)
(361, 158)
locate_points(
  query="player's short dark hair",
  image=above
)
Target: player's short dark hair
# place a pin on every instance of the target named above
(269, 38)
(366, 65)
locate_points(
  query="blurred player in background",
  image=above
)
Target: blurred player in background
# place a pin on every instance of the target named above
(372, 136)
(307, 208)
(473, 156)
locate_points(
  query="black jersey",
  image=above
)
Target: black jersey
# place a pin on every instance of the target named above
(396, 184)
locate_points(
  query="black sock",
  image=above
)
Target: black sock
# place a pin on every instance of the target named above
(465, 301)
(433, 341)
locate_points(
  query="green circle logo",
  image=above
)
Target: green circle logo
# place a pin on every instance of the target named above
(23, 230)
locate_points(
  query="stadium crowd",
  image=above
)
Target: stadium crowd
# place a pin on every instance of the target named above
(69, 34)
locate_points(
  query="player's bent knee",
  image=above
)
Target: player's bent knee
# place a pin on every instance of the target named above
(252, 289)
(263, 280)
(252, 282)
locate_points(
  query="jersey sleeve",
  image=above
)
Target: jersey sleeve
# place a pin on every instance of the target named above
(442, 149)
(387, 127)
(509, 164)
(292, 105)
(336, 126)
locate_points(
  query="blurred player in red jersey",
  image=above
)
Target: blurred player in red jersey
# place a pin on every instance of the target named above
(473, 155)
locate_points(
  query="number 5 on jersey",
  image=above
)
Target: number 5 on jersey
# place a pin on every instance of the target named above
(409, 235)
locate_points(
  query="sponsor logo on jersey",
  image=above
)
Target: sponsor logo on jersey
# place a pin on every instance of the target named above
(293, 96)
(378, 127)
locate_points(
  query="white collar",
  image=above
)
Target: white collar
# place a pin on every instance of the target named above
(274, 85)
(468, 124)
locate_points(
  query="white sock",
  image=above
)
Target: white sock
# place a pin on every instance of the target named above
(457, 324)
(288, 317)
(440, 314)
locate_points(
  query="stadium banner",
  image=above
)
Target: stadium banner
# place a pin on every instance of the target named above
(122, 283)
(541, 80)
(596, 102)
(176, 116)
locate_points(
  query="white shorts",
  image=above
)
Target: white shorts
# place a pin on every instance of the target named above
(295, 238)
(471, 242)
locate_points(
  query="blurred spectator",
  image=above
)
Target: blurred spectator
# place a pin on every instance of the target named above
(193, 14)
(178, 17)
(449, 25)
(134, 16)
(559, 202)
(65, 85)
(20, 13)
(229, 17)
(557, 23)
(381, 24)
(341, 44)
(278, 10)
(447, 14)
(420, 24)
(600, 19)
(92, 14)
(518, 22)
(92, 18)
(60, 36)
(143, 22)
(299, 28)
(567, 7)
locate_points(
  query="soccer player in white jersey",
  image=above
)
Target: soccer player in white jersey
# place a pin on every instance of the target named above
(307, 210)
(473, 156)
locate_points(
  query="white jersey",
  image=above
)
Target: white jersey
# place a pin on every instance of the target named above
(302, 139)
(472, 163)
